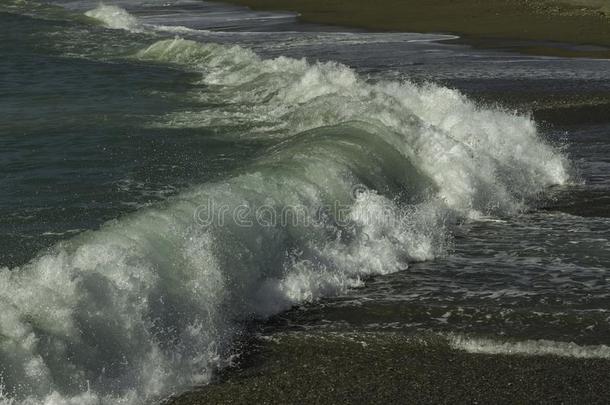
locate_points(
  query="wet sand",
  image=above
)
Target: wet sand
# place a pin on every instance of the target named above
(550, 27)
(385, 368)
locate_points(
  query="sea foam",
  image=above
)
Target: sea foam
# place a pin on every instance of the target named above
(540, 347)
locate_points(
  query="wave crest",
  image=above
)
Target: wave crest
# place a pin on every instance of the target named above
(483, 161)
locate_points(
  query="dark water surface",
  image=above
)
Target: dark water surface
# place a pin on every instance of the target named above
(149, 149)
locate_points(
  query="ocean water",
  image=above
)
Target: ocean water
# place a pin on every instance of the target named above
(176, 170)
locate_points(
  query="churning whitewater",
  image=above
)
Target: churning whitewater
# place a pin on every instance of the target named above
(361, 178)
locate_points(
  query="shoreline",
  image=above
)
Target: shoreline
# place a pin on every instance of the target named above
(387, 367)
(568, 28)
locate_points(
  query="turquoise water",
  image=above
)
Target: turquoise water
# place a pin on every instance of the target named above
(174, 170)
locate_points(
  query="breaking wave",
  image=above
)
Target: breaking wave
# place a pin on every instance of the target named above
(116, 18)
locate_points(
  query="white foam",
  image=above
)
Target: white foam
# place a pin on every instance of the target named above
(116, 18)
(529, 348)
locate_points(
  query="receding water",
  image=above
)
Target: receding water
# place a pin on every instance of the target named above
(173, 170)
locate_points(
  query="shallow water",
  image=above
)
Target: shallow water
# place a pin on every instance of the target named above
(176, 169)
